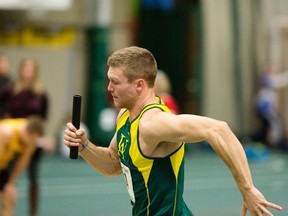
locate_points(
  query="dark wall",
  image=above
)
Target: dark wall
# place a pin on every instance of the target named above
(170, 35)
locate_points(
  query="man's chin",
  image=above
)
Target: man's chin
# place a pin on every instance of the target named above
(117, 105)
(120, 106)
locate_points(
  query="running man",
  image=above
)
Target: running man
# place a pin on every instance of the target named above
(148, 146)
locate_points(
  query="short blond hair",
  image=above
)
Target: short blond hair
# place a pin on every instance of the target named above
(136, 63)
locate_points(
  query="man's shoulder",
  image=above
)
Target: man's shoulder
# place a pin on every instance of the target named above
(153, 119)
(148, 114)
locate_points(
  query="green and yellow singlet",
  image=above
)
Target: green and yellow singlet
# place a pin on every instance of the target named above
(155, 185)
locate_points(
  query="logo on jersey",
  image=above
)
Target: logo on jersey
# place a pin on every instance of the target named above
(122, 146)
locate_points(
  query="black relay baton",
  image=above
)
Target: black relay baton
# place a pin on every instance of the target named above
(76, 112)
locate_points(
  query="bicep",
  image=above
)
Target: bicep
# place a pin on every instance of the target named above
(181, 128)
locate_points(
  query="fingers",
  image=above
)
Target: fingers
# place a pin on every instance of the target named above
(274, 206)
(265, 211)
(72, 136)
(71, 127)
(256, 204)
(262, 210)
(244, 211)
(70, 139)
(79, 132)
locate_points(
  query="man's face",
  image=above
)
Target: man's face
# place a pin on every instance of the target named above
(122, 91)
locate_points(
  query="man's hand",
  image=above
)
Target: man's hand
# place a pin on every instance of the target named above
(10, 190)
(256, 204)
(74, 137)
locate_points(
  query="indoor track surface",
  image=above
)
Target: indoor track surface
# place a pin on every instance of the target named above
(72, 188)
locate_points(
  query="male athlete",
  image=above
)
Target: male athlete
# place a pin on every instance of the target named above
(18, 138)
(148, 146)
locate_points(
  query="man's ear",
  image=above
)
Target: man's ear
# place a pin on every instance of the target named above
(139, 84)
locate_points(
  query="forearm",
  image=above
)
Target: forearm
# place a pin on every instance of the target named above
(228, 147)
(102, 159)
(20, 165)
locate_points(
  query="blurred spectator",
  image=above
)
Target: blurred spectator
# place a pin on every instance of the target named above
(271, 130)
(163, 90)
(17, 144)
(4, 79)
(25, 97)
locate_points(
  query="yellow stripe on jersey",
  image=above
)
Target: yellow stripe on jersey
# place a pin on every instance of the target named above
(176, 161)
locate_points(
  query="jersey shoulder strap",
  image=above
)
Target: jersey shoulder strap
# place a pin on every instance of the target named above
(159, 105)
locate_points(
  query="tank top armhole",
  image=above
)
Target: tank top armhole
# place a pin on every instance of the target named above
(164, 108)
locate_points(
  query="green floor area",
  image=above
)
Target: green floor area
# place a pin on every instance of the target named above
(71, 187)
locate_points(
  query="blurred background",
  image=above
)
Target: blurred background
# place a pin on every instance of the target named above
(213, 51)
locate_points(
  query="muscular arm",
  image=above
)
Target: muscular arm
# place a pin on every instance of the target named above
(21, 164)
(190, 128)
(103, 159)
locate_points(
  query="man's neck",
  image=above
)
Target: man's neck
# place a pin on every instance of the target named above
(141, 103)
